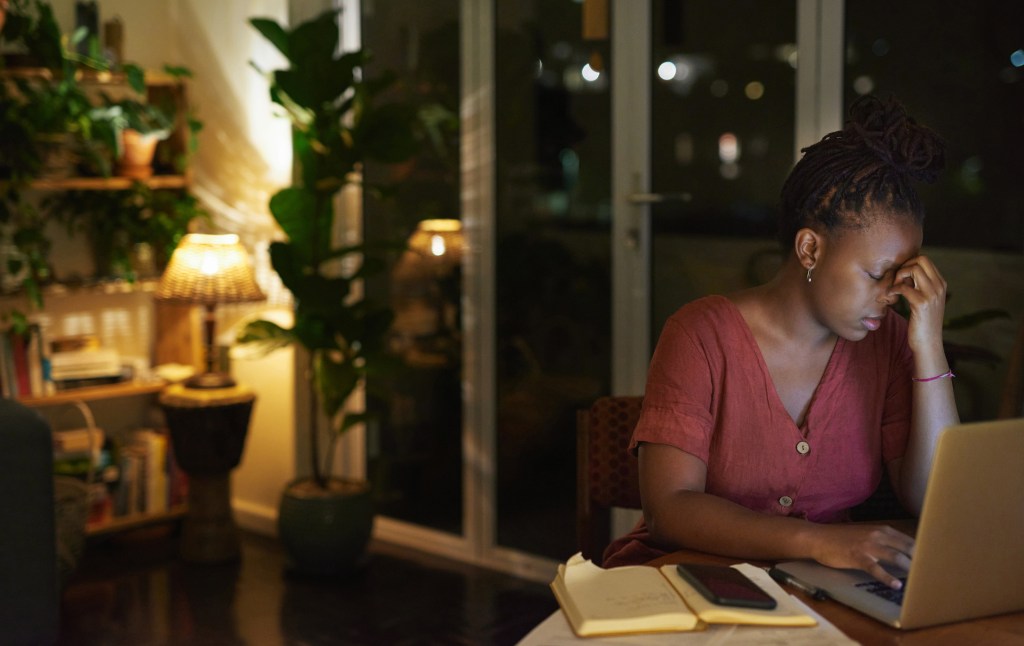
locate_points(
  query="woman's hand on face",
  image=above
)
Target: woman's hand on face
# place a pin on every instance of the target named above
(865, 547)
(918, 281)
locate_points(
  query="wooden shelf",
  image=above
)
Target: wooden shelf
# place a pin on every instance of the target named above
(134, 521)
(88, 76)
(96, 393)
(108, 183)
(110, 286)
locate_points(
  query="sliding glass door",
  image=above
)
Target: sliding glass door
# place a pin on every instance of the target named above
(639, 158)
(614, 164)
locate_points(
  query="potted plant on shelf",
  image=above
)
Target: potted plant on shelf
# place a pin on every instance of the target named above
(53, 125)
(44, 120)
(132, 126)
(339, 121)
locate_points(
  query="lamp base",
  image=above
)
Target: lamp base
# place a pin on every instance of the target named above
(210, 380)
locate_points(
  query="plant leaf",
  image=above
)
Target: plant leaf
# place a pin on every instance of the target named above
(273, 32)
(313, 42)
(294, 209)
(267, 335)
(136, 77)
(974, 318)
(335, 380)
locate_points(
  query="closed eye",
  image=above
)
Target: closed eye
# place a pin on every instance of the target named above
(874, 277)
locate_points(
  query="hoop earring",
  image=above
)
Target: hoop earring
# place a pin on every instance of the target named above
(809, 273)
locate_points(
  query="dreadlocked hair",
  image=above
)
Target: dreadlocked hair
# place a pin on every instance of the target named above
(868, 168)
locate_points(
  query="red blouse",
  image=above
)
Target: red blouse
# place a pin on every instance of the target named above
(709, 393)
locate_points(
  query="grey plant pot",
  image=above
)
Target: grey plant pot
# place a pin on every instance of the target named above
(325, 531)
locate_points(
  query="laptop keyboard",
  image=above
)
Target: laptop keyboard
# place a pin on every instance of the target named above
(882, 590)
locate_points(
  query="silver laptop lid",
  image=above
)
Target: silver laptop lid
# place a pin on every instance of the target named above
(969, 553)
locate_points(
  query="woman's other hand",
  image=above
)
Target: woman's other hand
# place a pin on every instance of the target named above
(918, 281)
(864, 547)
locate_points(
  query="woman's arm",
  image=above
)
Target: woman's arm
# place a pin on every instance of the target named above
(678, 513)
(933, 407)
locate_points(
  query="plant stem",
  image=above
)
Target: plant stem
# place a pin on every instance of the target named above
(314, 424)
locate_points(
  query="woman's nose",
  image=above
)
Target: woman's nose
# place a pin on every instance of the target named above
(887, 297)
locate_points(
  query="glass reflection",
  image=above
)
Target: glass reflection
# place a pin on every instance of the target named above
(414, 445)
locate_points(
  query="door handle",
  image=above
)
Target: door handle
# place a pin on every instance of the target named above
(653, 198)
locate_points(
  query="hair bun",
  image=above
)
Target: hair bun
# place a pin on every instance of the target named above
(885, 128)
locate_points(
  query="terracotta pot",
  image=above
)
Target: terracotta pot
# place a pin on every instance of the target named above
(137, 159)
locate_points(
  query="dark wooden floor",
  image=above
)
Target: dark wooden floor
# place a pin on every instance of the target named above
(135, 590)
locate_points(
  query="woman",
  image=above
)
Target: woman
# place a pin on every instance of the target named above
(770, 412)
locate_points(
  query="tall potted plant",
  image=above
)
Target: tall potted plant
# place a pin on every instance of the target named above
(339, 121)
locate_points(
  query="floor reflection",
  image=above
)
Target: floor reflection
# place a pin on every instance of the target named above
(135, 590)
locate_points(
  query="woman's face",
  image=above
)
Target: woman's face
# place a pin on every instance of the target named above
(852, 277)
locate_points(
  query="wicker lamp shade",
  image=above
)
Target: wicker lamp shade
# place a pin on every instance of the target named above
(209, 269)
(440, 242)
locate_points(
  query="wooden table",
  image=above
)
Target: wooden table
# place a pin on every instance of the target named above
(989, 631)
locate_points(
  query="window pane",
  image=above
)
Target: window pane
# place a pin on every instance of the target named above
(414, 448)
(723, 102)
(959, 68)
(553, 307)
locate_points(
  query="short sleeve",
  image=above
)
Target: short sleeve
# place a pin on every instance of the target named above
(679, 396)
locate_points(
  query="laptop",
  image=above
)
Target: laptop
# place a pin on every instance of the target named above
(969, 552)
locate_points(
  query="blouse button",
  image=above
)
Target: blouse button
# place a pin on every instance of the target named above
(785, 501)
(803, 448)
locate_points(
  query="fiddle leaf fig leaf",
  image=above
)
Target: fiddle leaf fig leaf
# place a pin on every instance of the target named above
(266, 335)
(335, 379)
(295, 210)
(314, 41)
(273, 32)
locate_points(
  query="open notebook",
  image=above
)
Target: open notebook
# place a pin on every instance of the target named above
(969, 553)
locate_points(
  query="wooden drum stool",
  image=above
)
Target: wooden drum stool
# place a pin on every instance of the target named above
(208, 429)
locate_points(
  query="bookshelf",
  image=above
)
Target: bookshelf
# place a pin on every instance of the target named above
(121, 314)
(129, 401)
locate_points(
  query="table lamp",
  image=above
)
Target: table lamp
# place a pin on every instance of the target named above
(206, 270)
(440, 243)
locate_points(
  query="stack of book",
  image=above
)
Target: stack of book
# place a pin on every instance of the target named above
(80, 361)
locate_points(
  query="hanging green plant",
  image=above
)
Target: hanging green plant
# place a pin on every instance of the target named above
(117, 222)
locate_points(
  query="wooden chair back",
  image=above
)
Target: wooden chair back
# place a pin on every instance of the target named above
(606, 475)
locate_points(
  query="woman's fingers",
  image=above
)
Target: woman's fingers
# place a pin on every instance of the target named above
(870, 548)
(919, 282)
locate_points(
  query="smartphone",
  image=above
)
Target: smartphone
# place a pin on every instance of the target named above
(725, 586)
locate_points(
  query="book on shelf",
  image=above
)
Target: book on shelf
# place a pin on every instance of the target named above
(78, 440)
(85, 364)
(62, 385)
(8, 389)
(25, 363)
(637, 599)
(149, 482)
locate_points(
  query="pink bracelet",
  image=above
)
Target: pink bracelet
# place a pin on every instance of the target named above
(942, 376)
